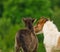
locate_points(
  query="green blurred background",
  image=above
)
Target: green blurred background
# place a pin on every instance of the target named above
(12, 12)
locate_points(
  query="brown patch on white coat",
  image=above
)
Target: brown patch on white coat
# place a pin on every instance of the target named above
(38, 27)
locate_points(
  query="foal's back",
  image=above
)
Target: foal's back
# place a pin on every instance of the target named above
(26, 37)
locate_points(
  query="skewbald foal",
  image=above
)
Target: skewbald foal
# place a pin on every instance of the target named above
(51, 34)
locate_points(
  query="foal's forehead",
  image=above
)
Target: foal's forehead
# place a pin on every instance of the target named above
(42, 20)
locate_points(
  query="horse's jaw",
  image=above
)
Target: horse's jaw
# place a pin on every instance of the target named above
(40, 32)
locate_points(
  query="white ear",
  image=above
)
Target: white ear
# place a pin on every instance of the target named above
(35, 20)
(51, 21)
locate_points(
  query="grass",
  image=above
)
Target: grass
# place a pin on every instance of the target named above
(41, 47)
(40, 44)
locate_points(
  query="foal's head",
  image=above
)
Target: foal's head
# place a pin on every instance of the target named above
(38, 27)
(28, 22)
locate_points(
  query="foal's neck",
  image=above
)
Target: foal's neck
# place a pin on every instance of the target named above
(30, 27)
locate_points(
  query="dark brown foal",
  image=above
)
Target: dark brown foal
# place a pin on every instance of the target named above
(25, 38)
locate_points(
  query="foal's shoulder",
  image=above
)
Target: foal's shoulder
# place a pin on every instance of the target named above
(24, 31)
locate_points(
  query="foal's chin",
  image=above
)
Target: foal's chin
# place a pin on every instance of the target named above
(40, 32)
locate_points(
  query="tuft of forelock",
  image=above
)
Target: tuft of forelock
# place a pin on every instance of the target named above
(42, 20)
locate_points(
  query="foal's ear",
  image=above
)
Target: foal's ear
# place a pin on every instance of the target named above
(33, 20)
(24, 19)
